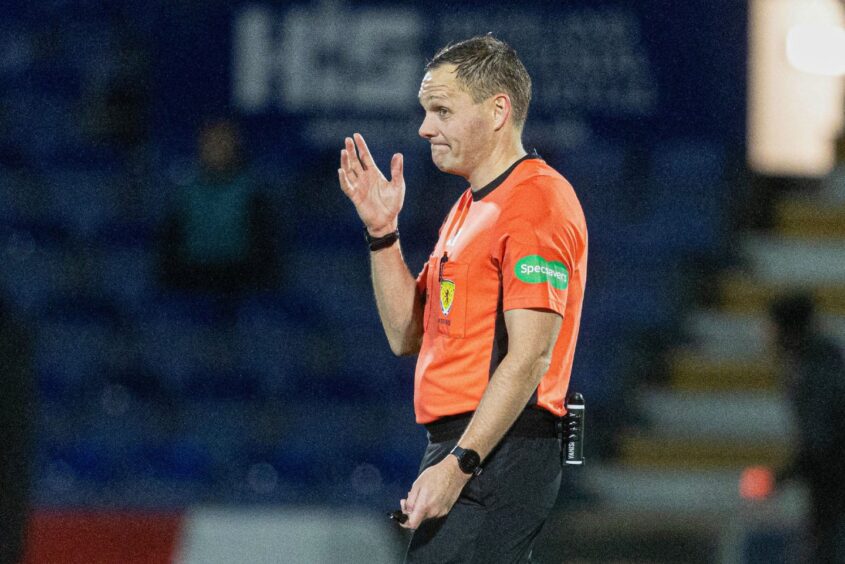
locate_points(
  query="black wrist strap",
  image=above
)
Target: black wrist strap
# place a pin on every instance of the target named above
(378, 243)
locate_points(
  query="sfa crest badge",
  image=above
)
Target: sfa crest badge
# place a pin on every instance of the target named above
(447, 295)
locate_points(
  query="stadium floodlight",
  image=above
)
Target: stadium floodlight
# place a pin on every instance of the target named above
(817, 49)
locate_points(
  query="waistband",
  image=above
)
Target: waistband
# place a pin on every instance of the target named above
(533, 423)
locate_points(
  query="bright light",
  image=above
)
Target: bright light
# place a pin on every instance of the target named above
(795, 85)
(817, 49)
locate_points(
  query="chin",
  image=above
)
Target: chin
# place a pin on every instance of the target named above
(444, 165)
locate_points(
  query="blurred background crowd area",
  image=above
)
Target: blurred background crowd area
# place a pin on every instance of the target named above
(186, 290)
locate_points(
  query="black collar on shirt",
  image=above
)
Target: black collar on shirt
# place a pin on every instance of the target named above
(495, 183)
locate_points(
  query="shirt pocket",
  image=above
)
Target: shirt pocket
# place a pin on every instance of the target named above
(450, 298)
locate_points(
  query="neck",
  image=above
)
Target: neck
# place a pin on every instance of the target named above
(500, 158)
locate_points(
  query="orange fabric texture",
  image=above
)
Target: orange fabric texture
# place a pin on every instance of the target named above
(520, 243)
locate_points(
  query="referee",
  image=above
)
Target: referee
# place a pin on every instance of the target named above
(493, 315)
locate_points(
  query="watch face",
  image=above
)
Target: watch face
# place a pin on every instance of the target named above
(469, 461)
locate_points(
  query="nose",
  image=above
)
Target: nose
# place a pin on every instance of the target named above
(427, 130)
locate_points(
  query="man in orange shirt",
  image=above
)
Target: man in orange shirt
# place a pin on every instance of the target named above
(493, 315)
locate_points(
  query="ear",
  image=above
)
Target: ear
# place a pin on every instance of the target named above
(501, 110)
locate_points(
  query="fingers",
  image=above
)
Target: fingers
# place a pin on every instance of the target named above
(344, 159)
(408, 504)
(353, 164)
(345, 184)
(417, 516)
(397, 165)
(411, 500)
(413, 507)
(364, 152)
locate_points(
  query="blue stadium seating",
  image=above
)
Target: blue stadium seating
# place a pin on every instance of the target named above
(127, 277)
(88, 460)
(82, 199)
(223, 385)
(176, 340)
(181, 460)
(70, 356)
(30, 275)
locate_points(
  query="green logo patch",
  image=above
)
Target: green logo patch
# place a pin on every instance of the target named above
(534, 269)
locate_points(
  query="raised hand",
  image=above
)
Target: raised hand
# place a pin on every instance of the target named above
(377, 200)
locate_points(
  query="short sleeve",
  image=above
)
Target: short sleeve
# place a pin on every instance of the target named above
(536, 248)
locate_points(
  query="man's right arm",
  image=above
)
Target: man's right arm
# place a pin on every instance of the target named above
(378, 202)
(400, 305)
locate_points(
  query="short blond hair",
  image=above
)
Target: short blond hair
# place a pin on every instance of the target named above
(485, 66)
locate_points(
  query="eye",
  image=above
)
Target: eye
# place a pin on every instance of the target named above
(442, 112)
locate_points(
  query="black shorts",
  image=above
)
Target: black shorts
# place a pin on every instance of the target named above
(499, 513)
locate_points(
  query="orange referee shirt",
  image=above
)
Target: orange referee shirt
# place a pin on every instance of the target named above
(518, 243)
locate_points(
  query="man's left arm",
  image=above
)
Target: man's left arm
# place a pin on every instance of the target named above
(532, 334)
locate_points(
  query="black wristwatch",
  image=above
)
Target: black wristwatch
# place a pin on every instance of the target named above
(468, 460)
(379, 243)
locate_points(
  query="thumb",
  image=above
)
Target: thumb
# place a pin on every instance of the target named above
(396, 168)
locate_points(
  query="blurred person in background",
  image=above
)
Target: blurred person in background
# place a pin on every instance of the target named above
(17, 427)
(493, 315)
(813, 372)
(121, 106)
(218, 237)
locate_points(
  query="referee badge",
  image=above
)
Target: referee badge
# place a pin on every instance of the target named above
(447, 295)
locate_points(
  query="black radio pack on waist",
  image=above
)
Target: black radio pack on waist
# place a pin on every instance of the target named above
(573, 431)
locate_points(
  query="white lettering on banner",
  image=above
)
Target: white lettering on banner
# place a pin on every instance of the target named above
(592, 58)
(252, 69)
(326, 57)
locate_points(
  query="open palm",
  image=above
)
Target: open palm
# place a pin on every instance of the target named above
(377, 200)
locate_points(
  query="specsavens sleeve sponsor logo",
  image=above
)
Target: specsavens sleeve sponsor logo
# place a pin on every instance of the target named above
(534, 269)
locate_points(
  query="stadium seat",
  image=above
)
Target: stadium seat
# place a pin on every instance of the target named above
(127, 234)
(12, 187)
(176, 338)
(30, 274)
(232, 384)
(82, 199)
(182, 460)
(138, 383)
(273, 341)
(350, 298)
(88, 460)
(70, 356)
(298, 462)
(126, 276)
(212, 422)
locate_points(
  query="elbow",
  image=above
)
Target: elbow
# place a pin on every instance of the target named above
(404, 350)
(397, 349)
(541, 366)
(406, 339)
(405, 347)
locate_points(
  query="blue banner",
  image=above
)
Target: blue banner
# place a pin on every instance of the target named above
(309, 73)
